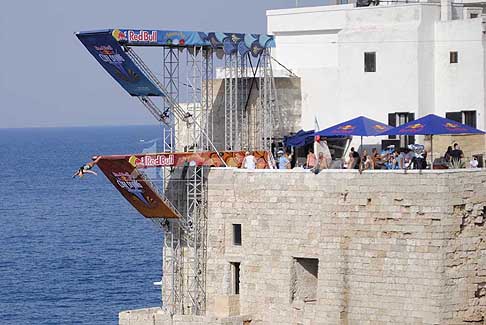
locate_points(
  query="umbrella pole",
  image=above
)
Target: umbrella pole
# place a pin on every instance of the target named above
(361, 147)
(431, 152)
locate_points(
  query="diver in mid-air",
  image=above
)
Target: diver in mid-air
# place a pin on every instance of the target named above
(86, 168)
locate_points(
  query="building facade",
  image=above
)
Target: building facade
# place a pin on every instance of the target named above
(392, 62)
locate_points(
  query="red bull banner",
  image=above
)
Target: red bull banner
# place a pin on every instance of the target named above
(123, 173)
(136, 189)
(206, 158)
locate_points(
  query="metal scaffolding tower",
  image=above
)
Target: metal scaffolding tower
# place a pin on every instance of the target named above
(246, 125)
(240, 114)
(268, 102)
(171, 83)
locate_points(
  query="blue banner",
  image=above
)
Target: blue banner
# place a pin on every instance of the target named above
(229, 42)
(108, 52)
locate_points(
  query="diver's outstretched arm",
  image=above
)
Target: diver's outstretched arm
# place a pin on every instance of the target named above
(96, 160)
(91, 172)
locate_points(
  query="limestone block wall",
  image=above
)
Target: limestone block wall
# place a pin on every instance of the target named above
(390, 247)
(157, 316)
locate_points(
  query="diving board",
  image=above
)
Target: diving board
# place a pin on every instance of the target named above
(124, 172)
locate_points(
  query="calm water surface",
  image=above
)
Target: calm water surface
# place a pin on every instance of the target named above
(71, 251)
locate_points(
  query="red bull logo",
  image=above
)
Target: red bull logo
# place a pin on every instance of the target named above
(346, 127)
(379, 127)
(413, 127)
(454, 127)
(108, 55)
(142, 36)
(119, 35)
(416, 126)
(104, 49)
(152, 161)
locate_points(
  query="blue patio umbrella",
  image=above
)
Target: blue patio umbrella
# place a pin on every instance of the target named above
(301, 138)
(432, 125)
(359, 126)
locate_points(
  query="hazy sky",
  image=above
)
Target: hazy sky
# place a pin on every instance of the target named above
(47, 78)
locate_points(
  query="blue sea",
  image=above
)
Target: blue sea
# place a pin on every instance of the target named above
(72, 251)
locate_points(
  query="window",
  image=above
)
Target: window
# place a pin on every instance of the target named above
(473, 15)
(464, 117)
(235, 278)
(303, 286)
(397, 119)
(453, 57)
(237, 234)
(455, 116)
(469, 118)
(370, 61)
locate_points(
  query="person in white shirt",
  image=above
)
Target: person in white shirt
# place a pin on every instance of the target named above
(249, 162)
(320, 145)
(474, 163)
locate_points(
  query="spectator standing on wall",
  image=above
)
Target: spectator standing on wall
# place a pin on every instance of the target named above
(327, 153)
(367, 161)
(457, 154)
(447, 155)
(356, 159)
(474, 162)
(377, 159)
(249, 162)
(283, 160)
(321, 164)
(320, 145)
(311, 159)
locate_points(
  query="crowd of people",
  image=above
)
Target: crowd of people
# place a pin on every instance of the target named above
(412, 157)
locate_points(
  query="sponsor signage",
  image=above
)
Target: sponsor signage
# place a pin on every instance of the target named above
(109, 53)
(207, 158)
(136, 189)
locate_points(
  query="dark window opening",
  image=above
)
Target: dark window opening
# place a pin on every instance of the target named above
(464, 117)
(473, 15)
(370, 61)
(453, 57)
(397, 119)
(470, 118)
(303, 286)
(235, 277)
(237, 234)
(455, 116)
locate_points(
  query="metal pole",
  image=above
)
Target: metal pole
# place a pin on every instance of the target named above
(431, 152)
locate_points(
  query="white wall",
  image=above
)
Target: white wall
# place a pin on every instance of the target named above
(460, 86)
(325, 46)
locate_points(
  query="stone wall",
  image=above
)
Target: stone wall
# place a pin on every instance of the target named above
(389, 248)
(156, 316)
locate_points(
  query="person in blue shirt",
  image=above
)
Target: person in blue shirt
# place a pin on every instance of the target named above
(283, 160)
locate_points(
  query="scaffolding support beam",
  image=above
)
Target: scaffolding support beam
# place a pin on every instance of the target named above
(246, 126)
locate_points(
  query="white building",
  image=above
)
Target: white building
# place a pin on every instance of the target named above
(390, 61)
